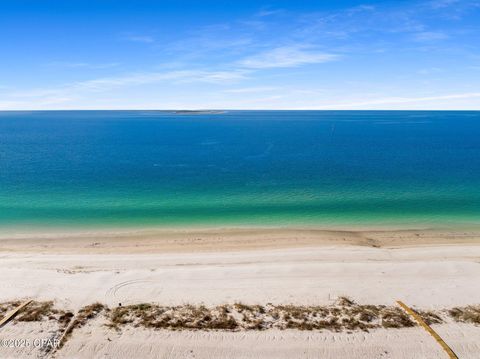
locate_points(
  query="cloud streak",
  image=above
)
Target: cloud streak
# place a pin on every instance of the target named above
(75, 90)
(137, 79)
(252, 89)
(286, 56)
(400, 100)
(145, 39)
(426, 36)
(79, 64)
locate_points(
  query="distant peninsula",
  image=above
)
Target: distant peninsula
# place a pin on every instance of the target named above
(199, 112)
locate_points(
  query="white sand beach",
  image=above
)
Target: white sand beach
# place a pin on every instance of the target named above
(425, 269)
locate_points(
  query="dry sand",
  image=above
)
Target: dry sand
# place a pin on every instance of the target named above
(427, 269)
(96, 341)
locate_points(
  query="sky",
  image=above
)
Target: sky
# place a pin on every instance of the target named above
(301, 54)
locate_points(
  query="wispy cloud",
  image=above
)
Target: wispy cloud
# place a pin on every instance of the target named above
(101, 89)
(440, 4)
(400, 100)
(425, 36)
(215, 40)
(146, 39)
(269, 12)
(79, 64)
(47, 101)
(429, 71)
(252, 89)
(453, 9)
(105, 84)
(286, 56)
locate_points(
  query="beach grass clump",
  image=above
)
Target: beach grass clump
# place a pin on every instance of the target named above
(393, 317)
(469, 314)
(87, 313)
(8, 306)
(84, 315)
(343, 315)
(174, 317)
(344, 301)
(430, 317)
(37, 312)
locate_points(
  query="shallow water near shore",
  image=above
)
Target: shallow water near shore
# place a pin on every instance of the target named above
(250, 168)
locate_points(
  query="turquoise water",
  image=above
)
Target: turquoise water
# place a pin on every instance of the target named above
(272, 168)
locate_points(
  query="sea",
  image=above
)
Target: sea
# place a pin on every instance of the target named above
(325, 169)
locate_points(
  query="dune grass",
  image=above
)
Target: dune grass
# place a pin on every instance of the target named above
(343, 315)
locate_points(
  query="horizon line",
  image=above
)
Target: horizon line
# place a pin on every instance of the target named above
(231, 109)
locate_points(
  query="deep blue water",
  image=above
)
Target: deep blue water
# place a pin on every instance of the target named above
(322, 168)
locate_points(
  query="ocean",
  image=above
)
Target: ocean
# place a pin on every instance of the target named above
(104, 169)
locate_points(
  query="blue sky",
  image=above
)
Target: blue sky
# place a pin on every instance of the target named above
(114, 54)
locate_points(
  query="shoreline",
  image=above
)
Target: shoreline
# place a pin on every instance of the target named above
(171, 240)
